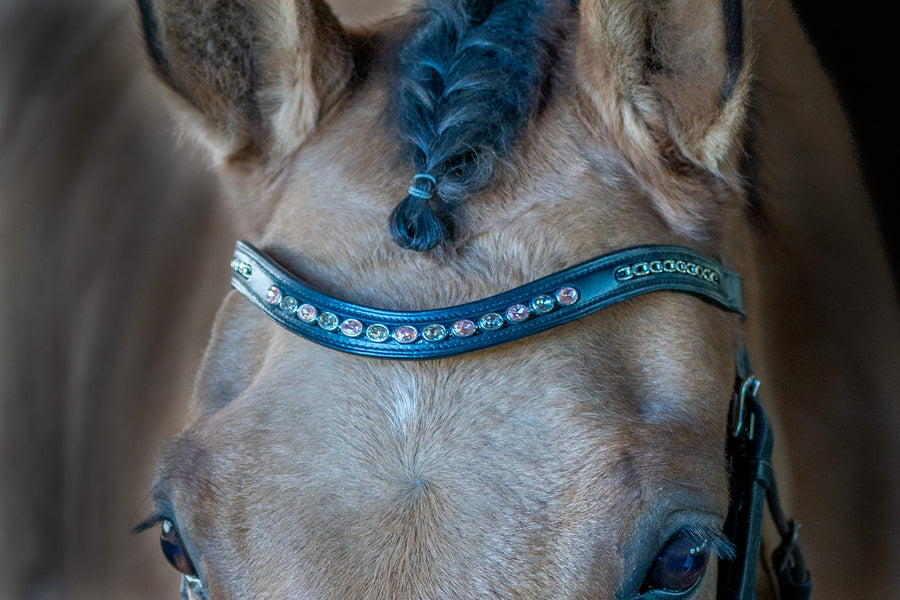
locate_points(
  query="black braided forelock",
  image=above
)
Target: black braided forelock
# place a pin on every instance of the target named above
(472, 78)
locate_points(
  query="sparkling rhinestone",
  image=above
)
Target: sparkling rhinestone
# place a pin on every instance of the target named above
(567, 295)
(543, 304)
(378, 333)
(490, 322)
(517, 313)
(307, 313)
(352, 328)
(463, 328)
(328, 321)
(273, 295)
(434, 332)
(289, 304)
(406, 334)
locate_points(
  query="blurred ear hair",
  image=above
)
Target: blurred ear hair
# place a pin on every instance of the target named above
(254, 77)
(668, 82)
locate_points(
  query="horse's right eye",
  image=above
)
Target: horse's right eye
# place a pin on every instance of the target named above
(678, 568)
(173, 548)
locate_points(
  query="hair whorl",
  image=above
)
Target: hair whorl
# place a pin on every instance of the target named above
(471, 78)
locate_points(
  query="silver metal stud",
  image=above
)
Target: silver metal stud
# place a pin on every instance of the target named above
(244, 269)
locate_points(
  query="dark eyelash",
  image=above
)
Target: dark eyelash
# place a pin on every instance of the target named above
(162, 510)
(716, 540)
(154, 519)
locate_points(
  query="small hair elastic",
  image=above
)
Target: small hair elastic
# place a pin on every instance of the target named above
(416, 191)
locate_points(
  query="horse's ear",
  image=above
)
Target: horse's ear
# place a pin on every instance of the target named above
(255, 76)
(668, 82)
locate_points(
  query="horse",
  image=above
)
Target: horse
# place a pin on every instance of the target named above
(588, 459)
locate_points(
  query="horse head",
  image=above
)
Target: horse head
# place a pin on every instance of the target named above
(435, 160)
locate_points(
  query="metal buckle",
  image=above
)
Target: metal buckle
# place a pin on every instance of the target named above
(749, 389)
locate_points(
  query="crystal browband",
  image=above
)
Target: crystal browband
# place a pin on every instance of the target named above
(525, 310)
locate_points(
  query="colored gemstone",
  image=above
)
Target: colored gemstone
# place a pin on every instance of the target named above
(289, 304)
(273, 295)
(490, 322)
(307, 313)
(352, 328)
(567, 296)
(406, 334)
(543, 304)
(328, 321)
(378, 333)
(517, 313)
(463, 328)
(434, 332)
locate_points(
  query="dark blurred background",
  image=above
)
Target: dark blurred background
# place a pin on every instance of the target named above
(857, 47)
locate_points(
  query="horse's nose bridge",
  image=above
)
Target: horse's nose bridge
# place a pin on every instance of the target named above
(408, 475)
(447, 421)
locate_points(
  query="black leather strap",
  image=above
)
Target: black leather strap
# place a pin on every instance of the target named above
(733, 12)
(749, 452)
(537, 306)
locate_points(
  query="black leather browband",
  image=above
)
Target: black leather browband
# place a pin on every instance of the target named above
(537, 306)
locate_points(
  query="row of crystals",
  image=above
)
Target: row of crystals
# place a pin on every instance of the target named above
(407, 334)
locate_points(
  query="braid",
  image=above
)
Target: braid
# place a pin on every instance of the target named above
(472, 77)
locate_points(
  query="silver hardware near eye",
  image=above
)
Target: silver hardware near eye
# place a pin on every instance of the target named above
(192, 588)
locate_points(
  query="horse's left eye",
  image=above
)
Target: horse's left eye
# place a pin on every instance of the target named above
(173, 548)
(679, 567)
